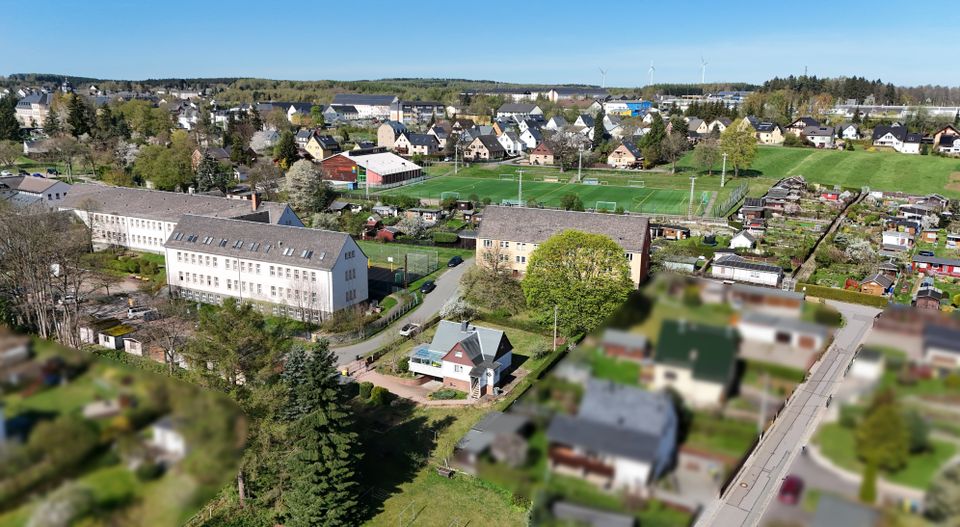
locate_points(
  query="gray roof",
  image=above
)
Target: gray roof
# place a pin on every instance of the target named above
(36, 185)
(737, 262)
(942, 337)
(357, 99)
(833, 511)
(936, 260)
(422, 139)
(161, 205)
(282, 244)
(397, 126)
(516, 107)
(765, 291)
(494, 424)
(788, 323)
(527, 225)
(491, 143)
(694, 123)
(483, 345)
(582, 515)
(617, 420)
(558, 120)
(818, 131)
(625, 338)
(883, 280)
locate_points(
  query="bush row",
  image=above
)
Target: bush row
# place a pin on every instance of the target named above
(843, 295)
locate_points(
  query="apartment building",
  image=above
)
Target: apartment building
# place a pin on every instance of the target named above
(511, 234)
(301, 273)
(142, 220)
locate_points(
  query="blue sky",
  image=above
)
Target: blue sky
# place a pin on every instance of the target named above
(513, 41)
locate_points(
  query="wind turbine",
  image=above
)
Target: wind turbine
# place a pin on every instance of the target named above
(703, 70)
(603, 78)
(651, 71)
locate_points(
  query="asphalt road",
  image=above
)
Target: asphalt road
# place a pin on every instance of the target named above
(759, 480)
(447, 286)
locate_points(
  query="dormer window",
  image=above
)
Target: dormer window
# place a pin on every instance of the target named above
(458, 354)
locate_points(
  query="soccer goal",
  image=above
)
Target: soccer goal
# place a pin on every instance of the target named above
(449, 194)
(608, 206)
(591, 181)
(637, 183)
(507, 177)
(512, 203)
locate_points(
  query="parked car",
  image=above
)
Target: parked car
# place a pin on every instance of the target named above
(791, 490)
(428, 286)
(138, 312)
(409, 330)
(53, 172)
(6, 173)
(925, 253)
(67, 299)
(455, 261)
(37, 174)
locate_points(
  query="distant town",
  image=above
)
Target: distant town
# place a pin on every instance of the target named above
(454, 302)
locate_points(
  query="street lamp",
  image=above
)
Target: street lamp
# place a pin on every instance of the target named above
(723, 174)
(580, 164)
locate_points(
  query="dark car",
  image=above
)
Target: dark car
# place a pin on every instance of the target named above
(925, 253)
(455, 261)
(52, 172)
(428, 286)
(37, 174)
(791, 490)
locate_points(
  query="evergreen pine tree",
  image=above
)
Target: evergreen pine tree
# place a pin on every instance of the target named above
(956, 119)
(9, 126)
(323, 487)
(51, 124)
(238, 152)
(78, 118)
(599, 131)
(285, 151)
(856, 116)
(256, 120)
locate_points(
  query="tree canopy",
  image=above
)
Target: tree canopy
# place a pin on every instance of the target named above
(306, 191)
(740, 145)
(586, 275)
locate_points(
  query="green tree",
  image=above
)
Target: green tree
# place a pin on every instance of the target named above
(285, 151)
(918, 430)
(78, 116)
(650, 142)
(10, 151)
(673, 147)
(213, 175)
(9, 125)
(882, 437)
(571, 202)
(323, 486)
(344, 134)
(942, 501)
(236, 342)
(599, 131)
(706, 155)
(316, 115)
(51, 124)
(238, 151)
(585, 275)
(740, 145)
(306, 191)
(857, 118)
(868, 484)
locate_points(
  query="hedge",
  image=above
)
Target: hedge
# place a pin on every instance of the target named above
(445, 237)
(843, 295)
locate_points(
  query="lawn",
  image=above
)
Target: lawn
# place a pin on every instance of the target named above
(879, 170)
(838, 444)
(378, 253)
(611, 369)
(719, 435)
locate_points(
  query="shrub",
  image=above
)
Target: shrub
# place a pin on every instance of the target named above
(365, 388)
(848, 416)
(149, 471)
(842, 295)
(445, 394)
(827, 316)
(952, 382)
(445, 237)
(691, 296)
(379, 396)
(868, 486)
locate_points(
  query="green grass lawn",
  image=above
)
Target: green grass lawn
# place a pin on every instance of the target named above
(379, 252)
(838, 444)
(878, 170)
(724, 436)
(612, 369)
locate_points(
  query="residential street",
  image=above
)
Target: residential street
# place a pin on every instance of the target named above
(447, 285)
(758, 481)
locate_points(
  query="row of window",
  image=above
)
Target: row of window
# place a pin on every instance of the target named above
(523, 259)
(506, 245)
(248, 267)
(134, 222)
(242, 286)
(278, 310)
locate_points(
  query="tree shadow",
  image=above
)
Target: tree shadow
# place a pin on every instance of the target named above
(396, 446)
(633, 312)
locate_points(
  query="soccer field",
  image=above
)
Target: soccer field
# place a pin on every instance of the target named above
(632, 199)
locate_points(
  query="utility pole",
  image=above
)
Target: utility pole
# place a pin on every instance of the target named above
(520, 187)
(556, 312)
(456, 147)
(723, 173)
(406, 274)
(580, 164)
(762, 418)
(690, 205)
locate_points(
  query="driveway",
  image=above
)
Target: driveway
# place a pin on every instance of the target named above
(447, 286)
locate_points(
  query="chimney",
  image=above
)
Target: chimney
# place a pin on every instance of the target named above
(464, 325)
(255, 201)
